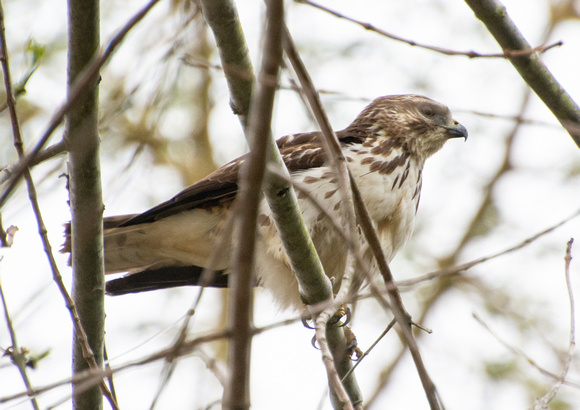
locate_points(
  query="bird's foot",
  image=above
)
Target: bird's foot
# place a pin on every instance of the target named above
(352, 351)
(306, 318)
(352, 348)
(342, 312)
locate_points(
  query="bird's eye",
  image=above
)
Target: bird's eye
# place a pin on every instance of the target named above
(427, 111)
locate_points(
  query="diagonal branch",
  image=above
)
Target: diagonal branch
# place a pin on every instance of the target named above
(240, 322)
(542, 403)
(77, 90)
(518, 352)
(335, 335)
(401, 315)
(16, 354)
(52, 151)
(445, 51)
(222, 17)
(530, 67)
(314, 285)
(87, 353)
(452, 270)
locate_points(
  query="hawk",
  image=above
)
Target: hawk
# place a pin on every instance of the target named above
(385, 148)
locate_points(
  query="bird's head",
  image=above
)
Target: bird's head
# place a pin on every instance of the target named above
(417, 122)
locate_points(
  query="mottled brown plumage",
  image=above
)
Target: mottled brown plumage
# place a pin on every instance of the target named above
(385, 148)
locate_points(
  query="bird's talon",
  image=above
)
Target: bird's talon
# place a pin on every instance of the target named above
(347, 316)
(357, 353)
(313, 342)
(305, 317)
(306, 324)
(352, 348)
(343, 311)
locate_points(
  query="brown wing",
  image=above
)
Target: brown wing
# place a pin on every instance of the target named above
(299, 151)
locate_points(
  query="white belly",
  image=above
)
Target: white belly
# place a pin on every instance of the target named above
(391, 206)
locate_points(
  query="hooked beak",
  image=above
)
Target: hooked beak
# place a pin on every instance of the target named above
(457, 131)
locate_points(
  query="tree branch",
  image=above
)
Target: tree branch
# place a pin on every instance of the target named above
(334, 334)
(16, 354)
(90, 377)
(86, 200)
(403, 318)
(454, 269)
(88, 355)
(76, 91)
(445, 51)
(240, 322)
(531, 68)
(222, 17)
(542, 402)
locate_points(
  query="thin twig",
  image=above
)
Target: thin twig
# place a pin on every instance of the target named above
(337, 161)
(514, 118)
(471, 54)
(542, 402)
(16, 354)
(3, 234)
(465, 266)
(213, 364)
(372, 346)
(519, 353)
(403, 318)
(18, 144)
(84, 80)
(90, 377)
(109, 378)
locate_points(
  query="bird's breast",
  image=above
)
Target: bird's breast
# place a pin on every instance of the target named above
(390, 187)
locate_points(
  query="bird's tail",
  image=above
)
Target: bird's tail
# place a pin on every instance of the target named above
(168, 277)
(135, 250)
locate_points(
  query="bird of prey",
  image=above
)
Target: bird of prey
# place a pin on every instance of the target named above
(385, 147)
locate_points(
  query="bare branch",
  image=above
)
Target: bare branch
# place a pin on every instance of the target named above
(519, 353)
(332, 148)
(18, 144)
(401, 315)
(86, 201)
(16, 353)
(542, 402)
(372, 346)
(84, 80)
(465, 266)
(530, 67)
(471, 54)
(222, 17)
(341, 398)
(518, 118)
(237, 391)
(90, 377)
